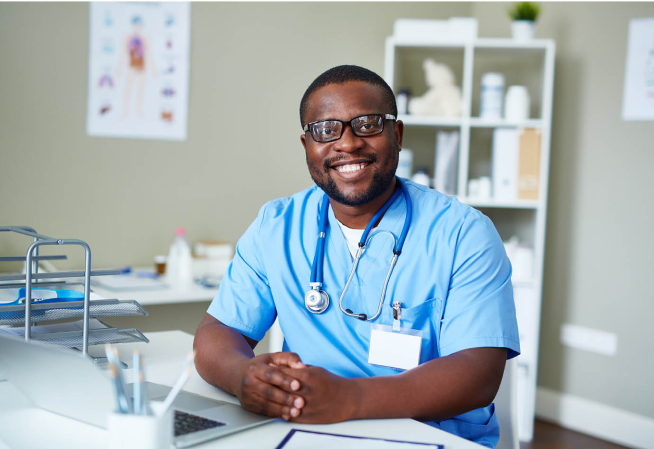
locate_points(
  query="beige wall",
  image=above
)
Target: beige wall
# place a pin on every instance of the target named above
(253, 61)
(250, 65)
(599, 263)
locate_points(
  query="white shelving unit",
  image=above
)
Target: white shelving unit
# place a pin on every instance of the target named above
(529, 63)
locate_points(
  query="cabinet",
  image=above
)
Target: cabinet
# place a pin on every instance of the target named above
(528, 63)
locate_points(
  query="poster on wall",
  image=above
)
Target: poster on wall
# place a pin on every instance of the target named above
(638, 97)
(138, 70)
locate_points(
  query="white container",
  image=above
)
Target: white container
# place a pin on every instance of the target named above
(402, 100)
(484, 187)
(421, 177)
(523, 263)
(214, 250)
(179, 267)
(141, 431)
(492, 95)
(405, 164)
(479, 188)
(523, 30)
(517, 104)
(418, 30)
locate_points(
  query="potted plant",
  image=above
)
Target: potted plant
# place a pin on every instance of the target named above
(524, 15)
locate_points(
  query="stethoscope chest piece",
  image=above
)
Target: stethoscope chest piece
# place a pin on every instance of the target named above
(316, 300)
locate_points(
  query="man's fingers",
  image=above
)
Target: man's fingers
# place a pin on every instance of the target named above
(274, 409)
(273, 394)
(275, 376)
(289, 359)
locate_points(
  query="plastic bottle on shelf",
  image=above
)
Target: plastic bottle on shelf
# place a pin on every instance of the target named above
(421, 176)
(492, 93)
(179, 264)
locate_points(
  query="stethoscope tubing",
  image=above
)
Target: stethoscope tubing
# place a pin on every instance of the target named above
(318, 261)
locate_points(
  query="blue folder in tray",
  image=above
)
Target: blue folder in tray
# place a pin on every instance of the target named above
(44, 295)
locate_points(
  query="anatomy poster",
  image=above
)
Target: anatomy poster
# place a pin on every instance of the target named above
(138, 70)
(638, 99)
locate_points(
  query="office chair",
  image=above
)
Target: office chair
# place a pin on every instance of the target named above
(506, 407)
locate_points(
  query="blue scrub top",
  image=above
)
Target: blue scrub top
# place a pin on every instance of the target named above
(453, 279)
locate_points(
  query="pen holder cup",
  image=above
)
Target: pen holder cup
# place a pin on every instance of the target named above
(141, 431)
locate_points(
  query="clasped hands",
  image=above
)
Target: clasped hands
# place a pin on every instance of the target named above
(281, 385)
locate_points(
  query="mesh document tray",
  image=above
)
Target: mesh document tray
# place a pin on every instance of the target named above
(15, 314)
(96, 337)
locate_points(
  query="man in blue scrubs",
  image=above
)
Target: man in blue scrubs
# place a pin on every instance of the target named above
(452, 279)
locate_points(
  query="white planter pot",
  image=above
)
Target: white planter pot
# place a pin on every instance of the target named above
(523, 30)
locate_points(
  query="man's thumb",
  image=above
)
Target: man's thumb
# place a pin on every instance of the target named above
(290, 359)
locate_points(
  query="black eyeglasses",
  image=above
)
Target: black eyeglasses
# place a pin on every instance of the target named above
(362, 126)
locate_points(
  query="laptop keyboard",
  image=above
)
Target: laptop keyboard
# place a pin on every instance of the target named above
(187, 423)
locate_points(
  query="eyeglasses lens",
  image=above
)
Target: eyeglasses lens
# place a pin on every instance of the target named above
(326, 131)
(368, 125)
(329, 130)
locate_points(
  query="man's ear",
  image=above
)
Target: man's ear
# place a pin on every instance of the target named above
(303, 139)
(399, 131)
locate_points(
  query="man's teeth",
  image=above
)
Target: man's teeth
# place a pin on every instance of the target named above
(350, 167)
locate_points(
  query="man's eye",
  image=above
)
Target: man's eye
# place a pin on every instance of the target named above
(325, 131)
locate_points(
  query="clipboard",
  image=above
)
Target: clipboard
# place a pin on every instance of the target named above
(300, 439)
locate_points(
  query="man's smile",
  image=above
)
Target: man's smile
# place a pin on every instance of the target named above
(349, 167)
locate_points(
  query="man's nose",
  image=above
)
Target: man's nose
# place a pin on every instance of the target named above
(349, 141)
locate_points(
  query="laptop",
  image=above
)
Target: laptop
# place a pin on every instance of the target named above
(65, 382)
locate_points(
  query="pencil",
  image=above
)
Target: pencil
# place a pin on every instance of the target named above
(186, 373)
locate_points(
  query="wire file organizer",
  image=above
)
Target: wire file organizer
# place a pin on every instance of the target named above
(28, 312)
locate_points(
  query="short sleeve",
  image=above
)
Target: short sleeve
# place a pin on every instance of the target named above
(479, 310)
(244, 301)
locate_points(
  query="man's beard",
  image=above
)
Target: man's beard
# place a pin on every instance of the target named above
(380, 183)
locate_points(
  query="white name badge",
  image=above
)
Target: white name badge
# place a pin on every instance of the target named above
(394, 347)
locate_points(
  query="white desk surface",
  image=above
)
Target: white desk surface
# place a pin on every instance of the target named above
(192, 293)
(24, 427)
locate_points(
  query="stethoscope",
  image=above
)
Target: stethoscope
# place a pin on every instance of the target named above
(316, 300)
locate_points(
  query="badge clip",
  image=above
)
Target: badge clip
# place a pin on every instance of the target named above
(397, 315)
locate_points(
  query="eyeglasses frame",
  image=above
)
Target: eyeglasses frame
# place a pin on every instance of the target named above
(349, 122)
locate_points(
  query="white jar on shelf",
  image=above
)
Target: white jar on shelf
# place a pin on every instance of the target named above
(492, 95)
(517, 104)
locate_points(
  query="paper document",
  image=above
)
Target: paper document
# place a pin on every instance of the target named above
(301, 439)
(52, 328)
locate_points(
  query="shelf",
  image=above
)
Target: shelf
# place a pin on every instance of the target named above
(436, 43)
(517, 204)
(104, 336)
(57, 275)
(425, 120)
(477, 122)
(44, 312)
(482, 43)
(513, 44)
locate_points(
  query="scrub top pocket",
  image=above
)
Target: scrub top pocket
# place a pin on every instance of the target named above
(425, 317)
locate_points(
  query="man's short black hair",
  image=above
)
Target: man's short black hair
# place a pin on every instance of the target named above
(343, 74)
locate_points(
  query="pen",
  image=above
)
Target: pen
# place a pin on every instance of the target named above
(136, 363)
(121, 381)
(145, 407)
(186, 373)
(121, 400)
